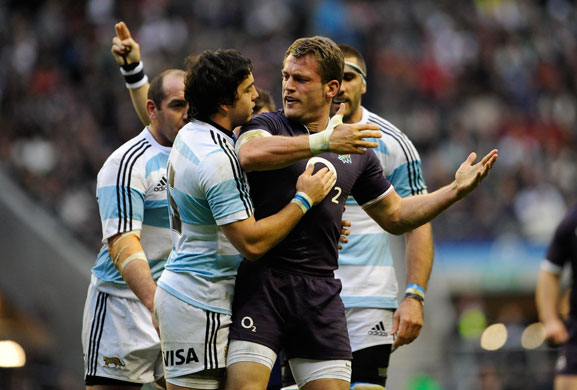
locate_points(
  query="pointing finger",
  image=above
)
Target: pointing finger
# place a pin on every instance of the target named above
(122, 30)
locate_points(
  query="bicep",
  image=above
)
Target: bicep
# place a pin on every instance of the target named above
(237, 232)
(386, 212)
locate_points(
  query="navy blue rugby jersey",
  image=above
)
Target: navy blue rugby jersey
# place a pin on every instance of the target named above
(563, 249)
(311, 247)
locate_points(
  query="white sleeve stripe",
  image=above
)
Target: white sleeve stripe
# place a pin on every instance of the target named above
(546, 265)
(373, 201)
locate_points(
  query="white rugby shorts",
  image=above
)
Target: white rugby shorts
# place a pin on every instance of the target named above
(194, 342)
(369, 327)
(118, 339)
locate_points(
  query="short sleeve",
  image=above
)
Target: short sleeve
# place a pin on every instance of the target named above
(225, 187)
(559, 250)
(121, 189)
(372, 184)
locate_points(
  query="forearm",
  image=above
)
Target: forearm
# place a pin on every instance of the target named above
(275, 152)
(547, 296)
(417, 210)
(408, 318)
(419, 255)
(254, 238)
(138, 277)
(129, 258)
(273, 229)
(138, 96)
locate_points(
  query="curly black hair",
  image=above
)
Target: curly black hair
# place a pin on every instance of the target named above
(212, 79)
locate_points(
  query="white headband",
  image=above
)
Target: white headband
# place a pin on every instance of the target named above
(358, 70)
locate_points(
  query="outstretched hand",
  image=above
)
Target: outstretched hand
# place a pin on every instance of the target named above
(316, 186)
(124, 49)
(468, 176)
(347, 138)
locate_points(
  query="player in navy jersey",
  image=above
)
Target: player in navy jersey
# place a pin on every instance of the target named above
(289, 299)
(375, 321)
(562, 251)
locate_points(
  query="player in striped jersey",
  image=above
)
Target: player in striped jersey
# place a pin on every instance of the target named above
(120, 338)
(365, 263)
(212, 220)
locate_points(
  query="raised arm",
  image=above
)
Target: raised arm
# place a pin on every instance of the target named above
(259, 151)
(399, 215)
(126, 52)
(254, 238)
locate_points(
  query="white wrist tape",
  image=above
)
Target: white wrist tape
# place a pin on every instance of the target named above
(305, 195)
(320, 142)
(120, 245)
(301, 205)
(134, 256)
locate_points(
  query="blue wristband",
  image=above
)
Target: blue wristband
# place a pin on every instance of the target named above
(416, 286)
(304, 200)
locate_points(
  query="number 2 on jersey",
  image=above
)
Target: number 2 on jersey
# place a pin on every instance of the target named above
(335, 198)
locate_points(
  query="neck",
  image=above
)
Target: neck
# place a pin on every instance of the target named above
(355, 116)
(222, 120)
(157, 135)
(320, 122)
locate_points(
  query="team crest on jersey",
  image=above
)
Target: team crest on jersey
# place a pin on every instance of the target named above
(346, 158)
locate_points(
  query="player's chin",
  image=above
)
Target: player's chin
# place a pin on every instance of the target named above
(292, 113)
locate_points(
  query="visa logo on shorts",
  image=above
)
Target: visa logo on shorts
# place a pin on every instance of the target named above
(179, 356)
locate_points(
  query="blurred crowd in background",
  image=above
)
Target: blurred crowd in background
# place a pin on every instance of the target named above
(456, 76)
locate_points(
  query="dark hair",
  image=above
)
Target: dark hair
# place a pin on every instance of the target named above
(263, 100)
(156, 91)
(327, 53)
(349, 51)
(212, 78)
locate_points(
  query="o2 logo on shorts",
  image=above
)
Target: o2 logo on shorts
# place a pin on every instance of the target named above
(248, 323)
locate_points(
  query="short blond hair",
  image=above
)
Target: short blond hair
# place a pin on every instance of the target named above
(327, 53)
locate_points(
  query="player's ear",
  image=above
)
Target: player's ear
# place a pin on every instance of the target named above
(364, 90)
(333, 87)
(151, 109)
(224, 107)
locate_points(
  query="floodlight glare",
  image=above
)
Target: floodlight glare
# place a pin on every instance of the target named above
(11, 354)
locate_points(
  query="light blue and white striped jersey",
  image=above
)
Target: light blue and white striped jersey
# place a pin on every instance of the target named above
(207, 188)
(365, 262)
(131, 195)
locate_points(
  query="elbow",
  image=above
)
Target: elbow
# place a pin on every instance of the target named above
(395, 224)
(246, 162)
(252, 252)
(397, 229)
(249, 159)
